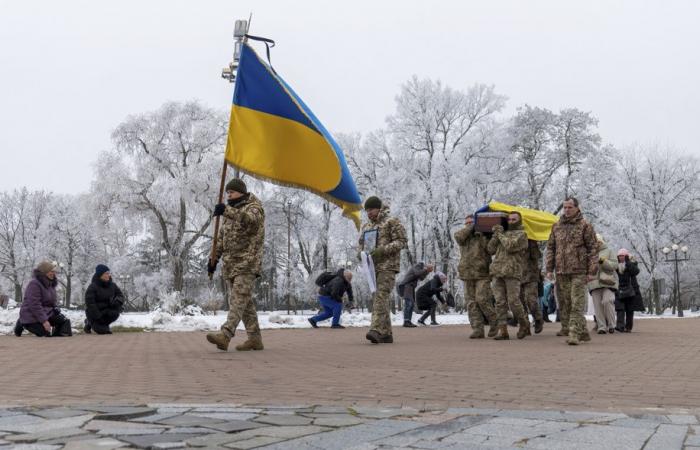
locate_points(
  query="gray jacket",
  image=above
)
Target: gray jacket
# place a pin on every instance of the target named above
(410, 280)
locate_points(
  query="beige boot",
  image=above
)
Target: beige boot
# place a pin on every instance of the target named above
(502, 333)
(524, 329)
(493, 330)
(252, 343)
(572, 339)
(563, 332)
(219, 339)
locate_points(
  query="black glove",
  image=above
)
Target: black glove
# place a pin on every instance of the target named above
(211, 266)
(219, 209)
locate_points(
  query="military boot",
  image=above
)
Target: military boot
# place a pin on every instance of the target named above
(584, 337)
(219, 339)
(539, 325)
(493, 330)
(563, 332)
(502, 333)
(386, 339)
(252, 343)
(477, 334)
(572, 340)
(373, 336)
(524, 329)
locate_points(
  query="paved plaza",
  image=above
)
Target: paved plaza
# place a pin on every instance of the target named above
(326, 389)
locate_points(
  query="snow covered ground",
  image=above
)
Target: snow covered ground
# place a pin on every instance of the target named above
(161, 321)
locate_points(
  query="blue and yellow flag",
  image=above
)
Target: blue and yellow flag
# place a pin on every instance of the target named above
(273, 135)
(537, 224)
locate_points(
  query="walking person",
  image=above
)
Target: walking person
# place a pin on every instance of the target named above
(240, 245)
(603, 288)
(383, 237)
(628, 298)
(406, 288)
(103, 302)
(572, 254)
(530, 283)
(508, 248)
(426, 294)
(330, 296)
(39, 313)
(474, 263)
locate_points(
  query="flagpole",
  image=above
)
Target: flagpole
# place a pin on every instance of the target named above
(229, 73)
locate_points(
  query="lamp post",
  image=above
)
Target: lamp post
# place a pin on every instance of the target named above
(676, 280)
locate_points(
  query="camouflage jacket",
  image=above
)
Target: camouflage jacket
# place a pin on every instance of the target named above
(572, 248)
(507, 249)
(474, 258)
(532, 263)
(391, 239)
(240, 243)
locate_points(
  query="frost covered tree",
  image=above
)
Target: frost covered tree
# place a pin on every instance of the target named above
(164, 169)
(23, 238)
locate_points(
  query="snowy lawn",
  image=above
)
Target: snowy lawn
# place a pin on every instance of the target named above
(161, 321)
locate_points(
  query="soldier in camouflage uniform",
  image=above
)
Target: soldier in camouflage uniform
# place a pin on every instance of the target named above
(506, 270)
(572, 251)
(391, 239)
(240, 245)
(529, 289)
(474, 271)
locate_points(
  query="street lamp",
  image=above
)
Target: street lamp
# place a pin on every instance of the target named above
(676, 280)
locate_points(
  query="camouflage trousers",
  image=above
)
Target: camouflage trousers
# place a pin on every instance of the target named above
(571, 298)
(241, 306)
(477, 296)
(530, 298)
(381, 303)
(507, 294)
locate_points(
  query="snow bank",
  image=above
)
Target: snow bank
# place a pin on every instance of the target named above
(195, 321)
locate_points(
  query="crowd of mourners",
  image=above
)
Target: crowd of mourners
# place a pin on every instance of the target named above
(501, 268)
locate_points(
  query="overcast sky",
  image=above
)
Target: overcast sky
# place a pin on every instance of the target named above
(71, 71)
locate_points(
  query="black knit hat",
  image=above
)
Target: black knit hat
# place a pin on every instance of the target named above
(237, 185)
(101, 269)
(373, 203)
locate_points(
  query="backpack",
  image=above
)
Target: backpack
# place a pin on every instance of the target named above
(324, 278)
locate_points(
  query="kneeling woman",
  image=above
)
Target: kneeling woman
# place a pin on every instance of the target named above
(424, 297)
(39, 313)
(103, 302)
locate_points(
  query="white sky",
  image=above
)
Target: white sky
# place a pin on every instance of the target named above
(71, 71)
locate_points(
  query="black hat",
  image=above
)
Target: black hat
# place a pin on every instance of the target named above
(373, 203)
(237, 185)
(101, 269)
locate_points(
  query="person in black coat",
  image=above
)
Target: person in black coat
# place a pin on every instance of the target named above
(103, 302)
(330, 295)
(424, 297)
(628, 297)
(406, 288)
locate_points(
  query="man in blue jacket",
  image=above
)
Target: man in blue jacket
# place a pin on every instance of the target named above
(330, 295)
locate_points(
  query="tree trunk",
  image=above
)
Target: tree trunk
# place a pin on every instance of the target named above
(178, 274)
(18, 292)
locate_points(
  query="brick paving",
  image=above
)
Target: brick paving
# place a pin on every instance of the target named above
(657, 366)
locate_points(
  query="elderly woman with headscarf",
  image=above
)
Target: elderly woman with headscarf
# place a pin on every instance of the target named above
(628, 298)
(39, 313)
(425, 294)
(603, 287)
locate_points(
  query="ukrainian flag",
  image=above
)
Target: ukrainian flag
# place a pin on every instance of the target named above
(537, 224)
(273, 135)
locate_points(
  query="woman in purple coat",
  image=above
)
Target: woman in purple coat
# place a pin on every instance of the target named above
(39, 313)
